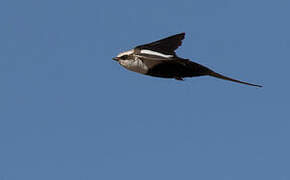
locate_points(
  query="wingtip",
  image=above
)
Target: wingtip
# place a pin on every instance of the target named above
(182, 34)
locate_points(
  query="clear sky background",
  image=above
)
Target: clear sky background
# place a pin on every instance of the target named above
(68, 111)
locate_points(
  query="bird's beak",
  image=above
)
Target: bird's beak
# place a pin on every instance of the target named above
(116, 58)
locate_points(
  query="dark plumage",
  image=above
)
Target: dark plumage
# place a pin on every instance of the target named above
(159, 59)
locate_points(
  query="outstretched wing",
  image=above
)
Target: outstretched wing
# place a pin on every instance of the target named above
(165, 46)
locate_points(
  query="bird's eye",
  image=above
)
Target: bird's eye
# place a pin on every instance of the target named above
(124, 57)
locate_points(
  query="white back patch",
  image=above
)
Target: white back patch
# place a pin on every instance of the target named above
(146, 51)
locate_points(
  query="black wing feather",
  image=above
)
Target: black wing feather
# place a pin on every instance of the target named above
(166, 46)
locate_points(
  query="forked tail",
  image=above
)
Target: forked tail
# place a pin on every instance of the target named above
(217, 75)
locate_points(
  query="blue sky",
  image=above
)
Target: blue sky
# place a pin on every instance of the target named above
(68, 111)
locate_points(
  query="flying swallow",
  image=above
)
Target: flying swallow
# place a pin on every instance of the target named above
(159, 59)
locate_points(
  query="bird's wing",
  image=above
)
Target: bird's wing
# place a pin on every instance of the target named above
(166, 46)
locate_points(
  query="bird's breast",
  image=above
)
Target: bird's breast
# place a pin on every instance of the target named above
(136, 65)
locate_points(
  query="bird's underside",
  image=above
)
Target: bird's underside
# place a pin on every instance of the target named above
(182, 68)
(158, 59)
(178, 69)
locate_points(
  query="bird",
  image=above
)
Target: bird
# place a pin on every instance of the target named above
(159, 59)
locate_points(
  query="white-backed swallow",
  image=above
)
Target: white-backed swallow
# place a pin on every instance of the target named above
(160, 60)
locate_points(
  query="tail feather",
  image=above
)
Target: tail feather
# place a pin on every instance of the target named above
(217, 75)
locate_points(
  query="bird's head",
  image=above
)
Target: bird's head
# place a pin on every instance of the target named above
(127, 55)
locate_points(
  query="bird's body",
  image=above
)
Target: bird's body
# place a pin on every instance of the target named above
(159, 59)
